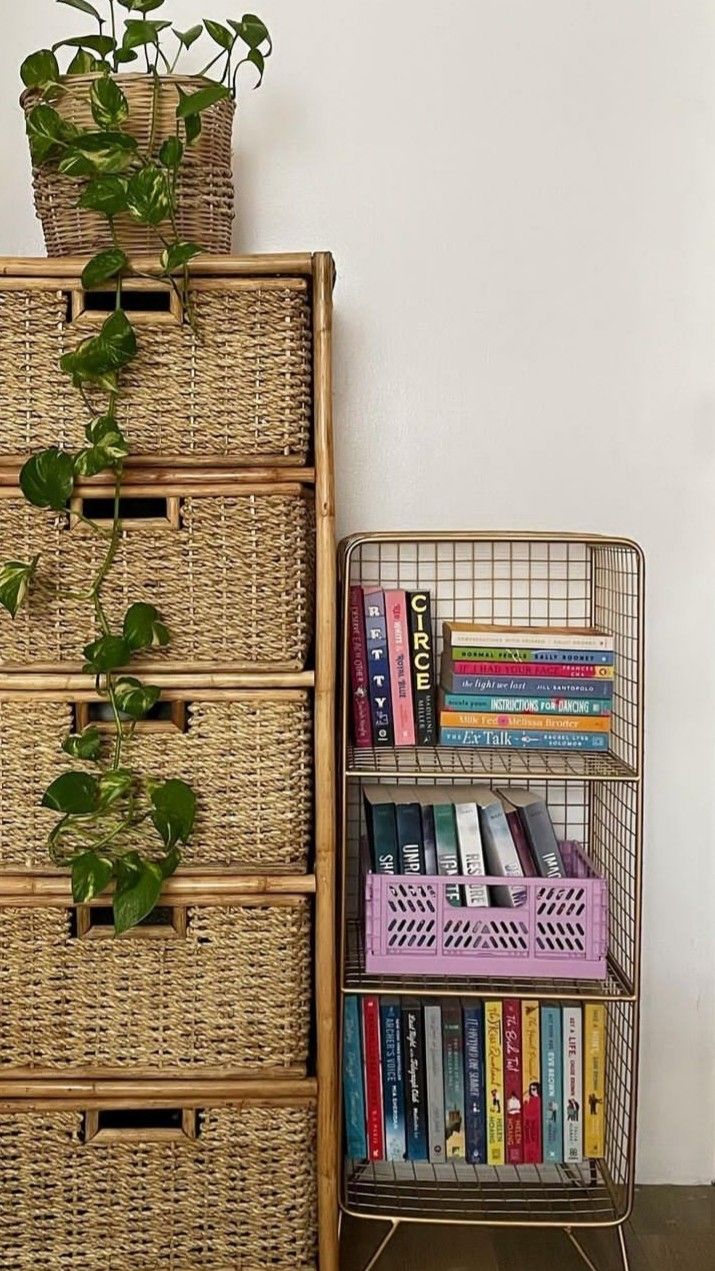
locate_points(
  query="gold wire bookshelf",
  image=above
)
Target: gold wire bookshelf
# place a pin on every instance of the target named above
(513, 578)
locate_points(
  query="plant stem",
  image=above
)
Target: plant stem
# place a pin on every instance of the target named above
(213, 62)
(113, 19)
(154, 109)
(98, 529)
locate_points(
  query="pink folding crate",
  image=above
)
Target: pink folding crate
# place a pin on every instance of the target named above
(560, 933)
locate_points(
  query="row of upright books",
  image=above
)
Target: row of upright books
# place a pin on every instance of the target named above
(525, 688)
(492, 1083)
(463, 830)
(392, 668)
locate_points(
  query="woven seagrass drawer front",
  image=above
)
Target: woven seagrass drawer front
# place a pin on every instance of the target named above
(249, 760)
(241, 1194)
(228, 987)
(232, 575)
(240, 386)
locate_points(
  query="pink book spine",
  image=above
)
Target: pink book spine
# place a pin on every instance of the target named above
(362, 724)
(398, 646)
(535, 670)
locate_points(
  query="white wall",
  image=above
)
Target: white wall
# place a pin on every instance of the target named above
(521, 199)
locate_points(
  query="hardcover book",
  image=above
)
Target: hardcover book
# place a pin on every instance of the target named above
(522, 685)
(393, 1091)
(435, 1082)
(471, 854)
(429, 839)
(446, 838)
(500, 851)
(573, 1084)
(409, 833)
(413, 1052)
(474, 1094)
(513, 1081)
(523, 705)
(494, 1044)
(539, 830)
(453, 1064)
(398, 645)
(552, 1083)
(378, 669)
(353, 1089)
(479, 633)
(375, 1123)
(522, 739)
(594, 1025)
(359, 685)
(381, 828)
(532, 1113)
(422, 659)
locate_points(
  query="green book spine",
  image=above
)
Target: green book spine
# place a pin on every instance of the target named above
(445, 830)
(382, 834)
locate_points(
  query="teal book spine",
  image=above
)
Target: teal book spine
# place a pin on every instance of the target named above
(522, 739)
(552, 1083)
(527, 705)
(382, 835)
(445, 828)
(353, 1088)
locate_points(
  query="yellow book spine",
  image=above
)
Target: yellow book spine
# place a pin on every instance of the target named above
(547, 723)
(495, 1082)
(594, 1047)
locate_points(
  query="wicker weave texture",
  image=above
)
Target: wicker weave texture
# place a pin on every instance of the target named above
(205, 188)
(241, 1196)
(238, 386)
(234, 582)
(250, 762)
(234, 993)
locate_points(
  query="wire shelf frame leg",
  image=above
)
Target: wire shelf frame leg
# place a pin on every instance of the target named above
(394, 1224)
(622, 1248)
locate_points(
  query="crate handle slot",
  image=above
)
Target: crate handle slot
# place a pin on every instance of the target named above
(137, 511)
(164, 717)
(140, 1125)
(151, 304)
(96, 922)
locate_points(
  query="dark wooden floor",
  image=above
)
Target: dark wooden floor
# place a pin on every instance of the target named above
(673, 1229)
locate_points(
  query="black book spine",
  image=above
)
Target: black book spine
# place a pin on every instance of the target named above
(423, 675)
(409, 838)
(413, 1053)
(429, 840)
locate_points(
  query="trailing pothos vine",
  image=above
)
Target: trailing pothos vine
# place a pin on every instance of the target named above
(115, 825)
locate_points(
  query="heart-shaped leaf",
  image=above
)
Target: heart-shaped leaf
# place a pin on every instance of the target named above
(109, 106)
(252, 31)
(83, 64)
(149, 196)
(174, 811)
(47, 479)
(107, 195)
(138, 33)
(15, 579)
(100, 44)
(109, 152)
(118, 339)
(143, 628)
(84, 6)
(48, 132)
(98, 358)
(84, 745)
(113, 786)
(76, 165)
(256, 58)
(89, 462)
(178, 255)
(189, 37)
(172, 152)
(103, 266)
(107, 452)
(202, 99)
(106, 654)
(220, 34)
(90, 875)
(134, 698)
(125, 55)
(141, 6)
(193, 126)
(74, 792)
(41, 69)
(138, 890)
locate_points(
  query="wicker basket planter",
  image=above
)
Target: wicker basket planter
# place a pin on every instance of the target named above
(205, 189)
(214, 988)
(231, 573)
(255, 809)
(238, 388)
(241, 1193)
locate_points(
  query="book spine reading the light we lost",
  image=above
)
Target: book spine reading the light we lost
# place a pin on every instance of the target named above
(526, 686)
(522, 739)
(359, 684)
(513, 1082)
(413, 1051)
(393, 1091)
(474, 1094)
(483, 633)
(573, 1084)
(435, 1082)
(373, 1079)
(531, 1081)
(419, 608)
(378, 669)
(552, 1083)
(494, 1044)
(594, 1045)
(549, 706)
(536, 723)
(533, 670)
(353, 1088)
(398, 644)
(453, 1064)
(582, 657)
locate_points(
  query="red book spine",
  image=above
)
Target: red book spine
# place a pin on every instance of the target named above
(373, 1079)
(537, 670)
(513, 1082)
(362, 723)
(398, 646)
(532, 1130)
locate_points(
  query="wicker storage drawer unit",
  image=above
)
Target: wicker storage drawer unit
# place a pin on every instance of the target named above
(249, 760)
(240, 1193)
(238, 388)
(221, 986)
(231, 573)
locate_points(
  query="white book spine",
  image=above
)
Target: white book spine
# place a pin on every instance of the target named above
(574, 640)
(573, 1084)
(471, 853)
(501, 854)
(434, 1073)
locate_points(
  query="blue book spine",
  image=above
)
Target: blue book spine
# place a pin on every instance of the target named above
(529, 686)
(518, 739)
(353, 1088)
(378, 669)
(413, 1051)
(393, 1085)
(552, 1083)
(526, 705)
(475, 1105)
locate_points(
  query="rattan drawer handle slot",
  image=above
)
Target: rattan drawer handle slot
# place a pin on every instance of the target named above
(164, 717)
(150, 303)
(95, 922)
(140, 1125)
(137, 512)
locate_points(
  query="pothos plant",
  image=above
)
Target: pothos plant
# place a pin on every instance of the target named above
(115, 825)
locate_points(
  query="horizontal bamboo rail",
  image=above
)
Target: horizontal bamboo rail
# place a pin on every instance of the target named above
(70, 267)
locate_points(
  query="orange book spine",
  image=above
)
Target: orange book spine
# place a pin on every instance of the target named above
(547, 723)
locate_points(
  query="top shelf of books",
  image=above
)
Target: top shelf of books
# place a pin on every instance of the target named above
(450, 761)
